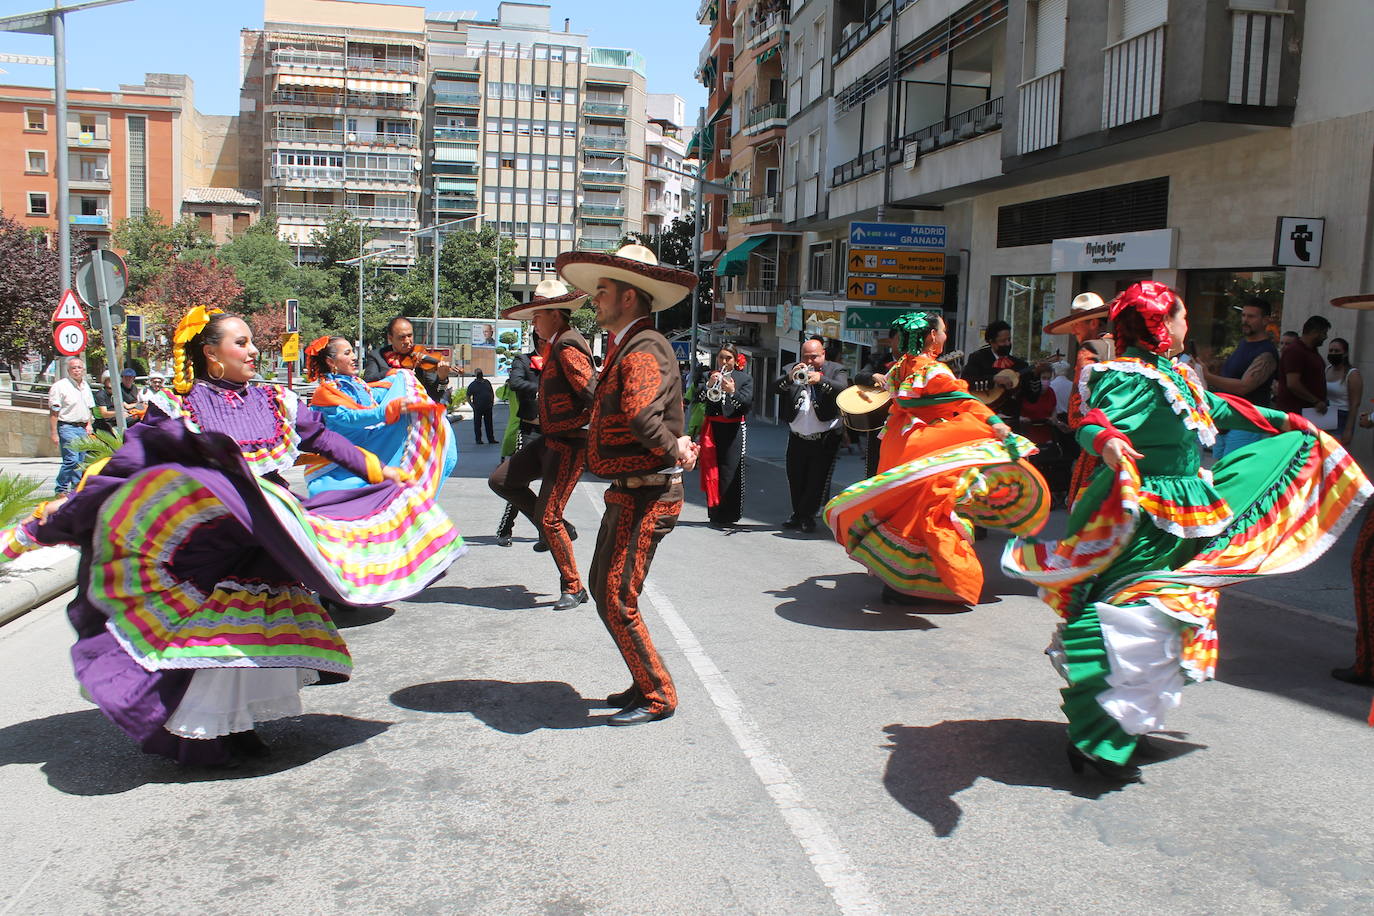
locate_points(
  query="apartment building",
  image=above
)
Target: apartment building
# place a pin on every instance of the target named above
(122, 149)
(1075, 145)
(330, 113)
(711, 144)
(668, 194)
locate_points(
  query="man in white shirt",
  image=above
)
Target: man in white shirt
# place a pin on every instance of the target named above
(814, 441)
(70, 400)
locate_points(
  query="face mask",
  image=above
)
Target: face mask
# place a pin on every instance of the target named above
(1002, 351)
(1335, 359)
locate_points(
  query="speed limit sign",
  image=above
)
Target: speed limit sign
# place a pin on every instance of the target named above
(70, 337)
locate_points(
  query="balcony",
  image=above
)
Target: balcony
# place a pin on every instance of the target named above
(708, 11)
(308, 135)
(321, 213)
(851, 42)
(100, 219)
(384, 65)
(305, 98)
(1039, 100)
(609, 210)
(460, 203)
(766, 29)
(458, 99)
(606, 109)
(765, 117)
(308, 175)
(598, 244)
(1256, 56)
(1133, 78)
(603, 141)
(386, 100)
(459, 134)
(601, 176)
(304, 59)
(86, 139)
(865, 164)
(967, 124)
(764, 301)
(381, 176)
(90, 179)
(758, 209)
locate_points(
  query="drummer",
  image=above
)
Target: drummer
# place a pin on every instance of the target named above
(873, 374)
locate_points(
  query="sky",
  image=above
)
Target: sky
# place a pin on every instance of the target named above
(107, 46)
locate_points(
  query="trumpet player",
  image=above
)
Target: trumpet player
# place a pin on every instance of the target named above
(728, 393)
(808, 392)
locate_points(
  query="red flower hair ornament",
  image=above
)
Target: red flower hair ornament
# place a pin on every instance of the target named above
(1153, 300)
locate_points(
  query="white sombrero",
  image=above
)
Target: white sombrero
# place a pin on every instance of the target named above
(548, 295)
(1362, 301)
(634, 265)
(1085, 307)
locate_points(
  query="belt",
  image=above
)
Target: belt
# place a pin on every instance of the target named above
(645, 480)
(70, 423)
(809, 437)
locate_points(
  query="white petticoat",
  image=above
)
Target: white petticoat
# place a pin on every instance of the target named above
(221, 701)
(1143, 650)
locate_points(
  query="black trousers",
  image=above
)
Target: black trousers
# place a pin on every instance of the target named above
(730, 447)
(810, 464)
(506, 527)
(481, 416)
(875, 446)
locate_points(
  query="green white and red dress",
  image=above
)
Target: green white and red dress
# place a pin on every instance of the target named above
(1136, 579)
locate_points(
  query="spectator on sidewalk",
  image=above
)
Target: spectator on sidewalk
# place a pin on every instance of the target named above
(483, 399)
(104, 409)
(1302, 371)
(128, 388)
(70, 402)
(1248, 372)
(1344, 389)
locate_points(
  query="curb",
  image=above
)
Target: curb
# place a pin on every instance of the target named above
(36, 588)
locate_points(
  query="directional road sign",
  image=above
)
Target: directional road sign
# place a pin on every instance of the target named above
(905, 263)
(897, 235)
(69, 309)
(876, 318)
(70, 338)
(929, 292)
(116, 277)
(133, 327)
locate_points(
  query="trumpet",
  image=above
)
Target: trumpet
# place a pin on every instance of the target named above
(715, 390)
(799, 374)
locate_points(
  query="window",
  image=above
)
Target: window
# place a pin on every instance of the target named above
(819, 277)
(38, 203)
(507, 162)
(1027, 304)
(35, 119)
(37, 162)
(1045, 28)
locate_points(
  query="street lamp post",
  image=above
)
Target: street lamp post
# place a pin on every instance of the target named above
(360, 260)
(434, 333)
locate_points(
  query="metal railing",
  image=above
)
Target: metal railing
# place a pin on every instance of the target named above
(460, 202)
(765, 300)
(309, 173)
(308, 98)
(322, 212)
(386, 65)
(98, 218)
(865, 164)
(704, 8)
(380, 100)
(600, 176)
(773, 111)
(1133, 78)
(598, 244)
(463, 134)
(970, 122)
(1256, 56)
(461, 99)
(306, 135)
(603, 141)
(1038, 102)
(296, 57)
(758, 209)
(386, 176)
(770, 25)
(606, 108)
(603, 209)
(866, 31)
(383, 138)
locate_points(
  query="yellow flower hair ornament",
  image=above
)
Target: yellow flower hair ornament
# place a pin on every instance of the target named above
(189, 326)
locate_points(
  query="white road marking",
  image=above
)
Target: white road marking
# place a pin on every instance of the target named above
(822, 846)
(32, 878)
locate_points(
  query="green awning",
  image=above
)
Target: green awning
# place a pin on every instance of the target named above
(702, 145)
(735, 261)
(771, 52)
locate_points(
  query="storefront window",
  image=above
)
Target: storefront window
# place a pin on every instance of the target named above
(1214, 298)
(1027, 304)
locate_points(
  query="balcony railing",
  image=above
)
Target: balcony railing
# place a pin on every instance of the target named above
(770, 25)
(774, 114)
(606, 108)
(460, 99)
(705, 8)
(1038, 101)
(965, 125)
(600, 176)
(865, 164)
(380, 100)
(307, 98)
(866, 31)
(598, 244)
(463, 203)
(1133, 78)
(1256, 52)
(603, 141)
(384, 176)
(319, 213)
(98, 218)
(309, 174)
(765, 300)
(758, 209)
(384, 64)
(298, 57)
(307, 135)
(383, 138)
(603, 209)
(464, 134)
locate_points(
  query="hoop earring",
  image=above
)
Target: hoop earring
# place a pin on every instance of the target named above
(209, 370)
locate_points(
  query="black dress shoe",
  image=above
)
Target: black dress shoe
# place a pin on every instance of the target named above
(637, 715)
(569, 600)
(541, 546)
(808, 526)
(572, 532)
(1351, 676)
(503, 540)
(625, 699)
(792, 523)
(1117, 772)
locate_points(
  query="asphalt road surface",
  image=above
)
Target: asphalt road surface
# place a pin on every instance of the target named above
(830, 755)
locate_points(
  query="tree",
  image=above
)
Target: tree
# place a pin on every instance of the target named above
(674, 247)
(29, 291)
(467, 277)
(182, 286)
(263, 265)
(150, 246)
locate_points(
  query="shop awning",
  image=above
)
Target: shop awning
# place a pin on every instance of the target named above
(734, 262)
(392, 86)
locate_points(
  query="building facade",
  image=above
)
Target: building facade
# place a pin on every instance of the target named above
(668, 193)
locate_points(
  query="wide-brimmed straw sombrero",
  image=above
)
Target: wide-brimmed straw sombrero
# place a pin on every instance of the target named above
(1085, 307)
(632, 264)
(549, 294)
(1361, 301)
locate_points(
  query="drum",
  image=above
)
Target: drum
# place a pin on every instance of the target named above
(864, 409)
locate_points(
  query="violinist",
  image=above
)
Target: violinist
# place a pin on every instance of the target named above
(401, 352)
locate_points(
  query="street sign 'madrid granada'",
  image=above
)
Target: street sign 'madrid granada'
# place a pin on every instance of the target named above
(898, 235)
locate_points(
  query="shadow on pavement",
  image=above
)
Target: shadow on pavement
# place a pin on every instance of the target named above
(511, 707)
(853, 601)
(493, 597)
(932, 764)
(82, 753)
(348, 618)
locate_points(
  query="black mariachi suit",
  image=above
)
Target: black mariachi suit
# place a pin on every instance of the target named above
(726, 420)
(810, 462)
(524, 381)
(879, 362)
(980, 369)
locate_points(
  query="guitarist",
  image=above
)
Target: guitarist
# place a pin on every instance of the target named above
(984, 363)
(873, 374)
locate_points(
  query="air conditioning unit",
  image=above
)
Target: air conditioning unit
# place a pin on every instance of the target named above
(850, 29)
(102, 174)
